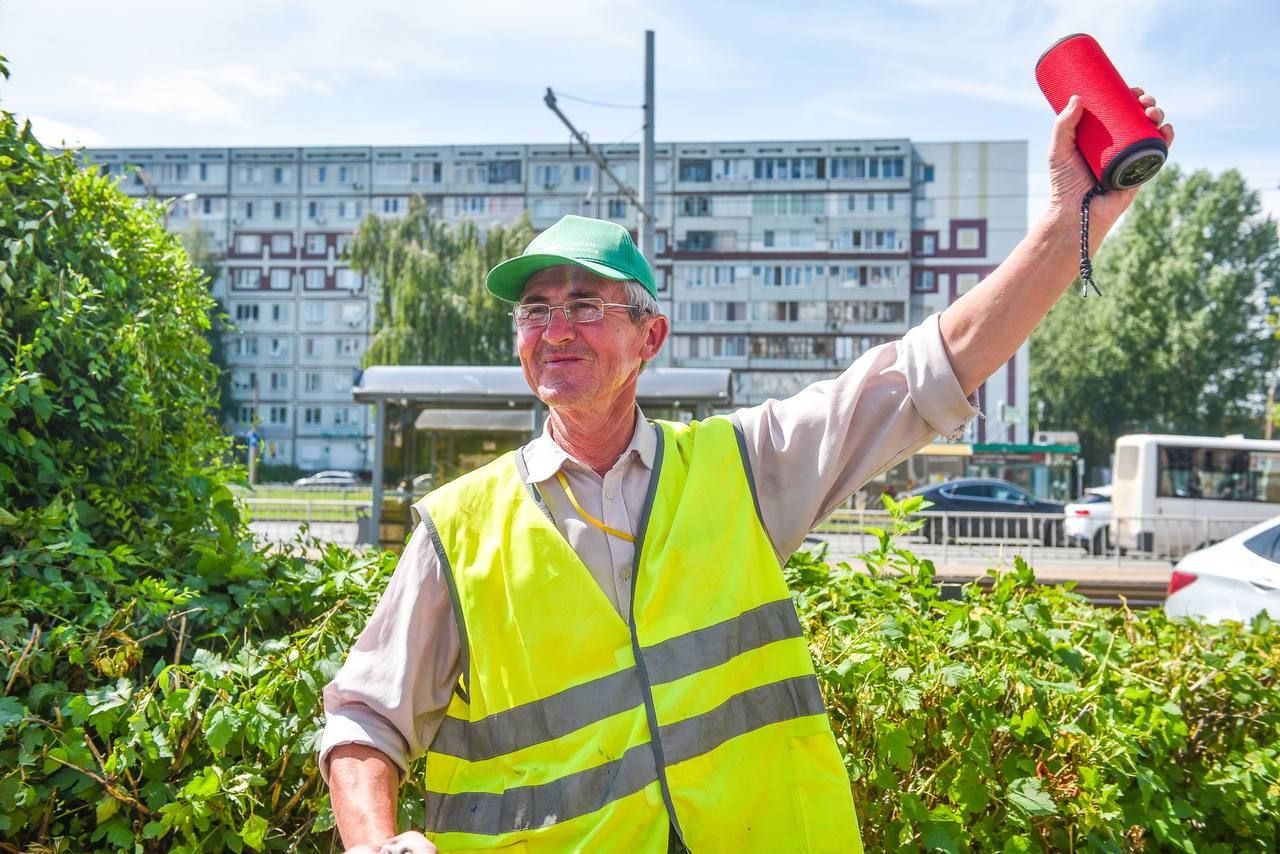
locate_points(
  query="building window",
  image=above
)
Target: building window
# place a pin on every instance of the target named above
(311, 415)
(347, 346)
(924, 173)
(547, 175)
(925, 282)
(967, 238)
(247, 278)
(246, 346)
(617, 208)
(349, 280)
(965, 282)
(247, 415)
(279, 347)
(248, 244)
(314, 280)
(278, 415)
(341, 417)
(278, 381)
(581, 174)
(246, 313)
(316, 244)
(310, 347)
(699, 241)
(281, 244)
(694, 170)
(391, 206)
(315, 209)
(311, 381)
(279, 313)
(504, 172)
(313, 312)
(281, 280)
(928, 244)
(695, 206)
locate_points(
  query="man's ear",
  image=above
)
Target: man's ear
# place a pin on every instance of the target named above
(657, 328)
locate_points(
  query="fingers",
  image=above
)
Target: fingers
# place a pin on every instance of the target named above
(1064, 129)
(1153, 112)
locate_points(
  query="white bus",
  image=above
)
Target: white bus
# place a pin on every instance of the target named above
(1174, 494)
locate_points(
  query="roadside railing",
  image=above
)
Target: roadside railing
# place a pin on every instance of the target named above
(948, 535)
(279, 520)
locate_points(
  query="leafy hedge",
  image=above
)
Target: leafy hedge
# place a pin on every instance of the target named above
(1026, 719)
(161, 673)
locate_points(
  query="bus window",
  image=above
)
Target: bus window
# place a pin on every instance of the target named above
(1178, 476)
(1264, 476)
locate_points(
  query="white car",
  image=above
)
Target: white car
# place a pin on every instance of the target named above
(333, 479)
(1231, 580)
(1088, 520)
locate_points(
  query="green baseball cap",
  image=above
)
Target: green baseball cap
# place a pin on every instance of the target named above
(600, 247)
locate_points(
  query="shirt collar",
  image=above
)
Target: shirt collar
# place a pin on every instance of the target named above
(543, 457)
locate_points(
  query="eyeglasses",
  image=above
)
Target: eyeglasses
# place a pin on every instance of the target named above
(585, 310)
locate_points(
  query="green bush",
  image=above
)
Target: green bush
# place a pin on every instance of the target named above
(159, 671)
(1026, 719)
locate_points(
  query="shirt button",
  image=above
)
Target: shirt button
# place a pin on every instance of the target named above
(608, 493)
(625, 575)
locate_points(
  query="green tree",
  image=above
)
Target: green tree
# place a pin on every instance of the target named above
(200, 250)
(432, 307)
(1179, 341)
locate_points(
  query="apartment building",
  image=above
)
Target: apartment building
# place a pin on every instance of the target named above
(783, 261)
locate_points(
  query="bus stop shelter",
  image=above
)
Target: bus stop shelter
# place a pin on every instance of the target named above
(479, 399)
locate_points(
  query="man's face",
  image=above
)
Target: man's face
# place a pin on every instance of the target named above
(579, 365)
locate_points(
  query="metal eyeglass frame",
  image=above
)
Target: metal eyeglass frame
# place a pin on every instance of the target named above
(564, 307)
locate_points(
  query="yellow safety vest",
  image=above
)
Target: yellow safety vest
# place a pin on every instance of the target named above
(549, 743)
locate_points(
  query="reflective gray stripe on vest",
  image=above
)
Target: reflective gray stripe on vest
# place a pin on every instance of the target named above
(706, 648)
(530, 807)
(539, 721)
(570, 710)
(584, 792)
(742, 713)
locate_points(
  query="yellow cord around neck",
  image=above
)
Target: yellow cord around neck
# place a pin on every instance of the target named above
(622, 535)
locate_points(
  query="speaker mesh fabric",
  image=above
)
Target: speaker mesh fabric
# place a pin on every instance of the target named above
(1114, 122)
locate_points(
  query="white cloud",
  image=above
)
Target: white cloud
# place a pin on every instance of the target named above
(198, 95)
(55, 133)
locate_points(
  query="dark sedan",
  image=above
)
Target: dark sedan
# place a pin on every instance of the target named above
(999, 502)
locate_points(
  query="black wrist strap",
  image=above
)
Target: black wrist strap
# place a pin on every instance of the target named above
(1086, 266)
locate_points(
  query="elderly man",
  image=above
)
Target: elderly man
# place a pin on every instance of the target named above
(590, 637)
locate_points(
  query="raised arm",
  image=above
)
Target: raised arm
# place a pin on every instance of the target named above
(984, 328)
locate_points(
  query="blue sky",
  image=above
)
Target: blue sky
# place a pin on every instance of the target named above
(313, 72)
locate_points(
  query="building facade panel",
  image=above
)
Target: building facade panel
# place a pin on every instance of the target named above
(782, 260)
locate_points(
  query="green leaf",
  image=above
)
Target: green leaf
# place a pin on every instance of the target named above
(107, 806)
(219, 727)
(1027, 794)
(896, 745)
(941, 836)
(254, 832)
(11, 712)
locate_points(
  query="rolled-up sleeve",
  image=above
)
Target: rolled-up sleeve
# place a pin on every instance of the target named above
(398, 679)
(811, 451)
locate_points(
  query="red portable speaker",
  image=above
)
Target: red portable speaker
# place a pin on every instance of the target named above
(1121, 145)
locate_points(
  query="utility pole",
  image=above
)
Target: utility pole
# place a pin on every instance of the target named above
(646, 157)
(644, 201)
